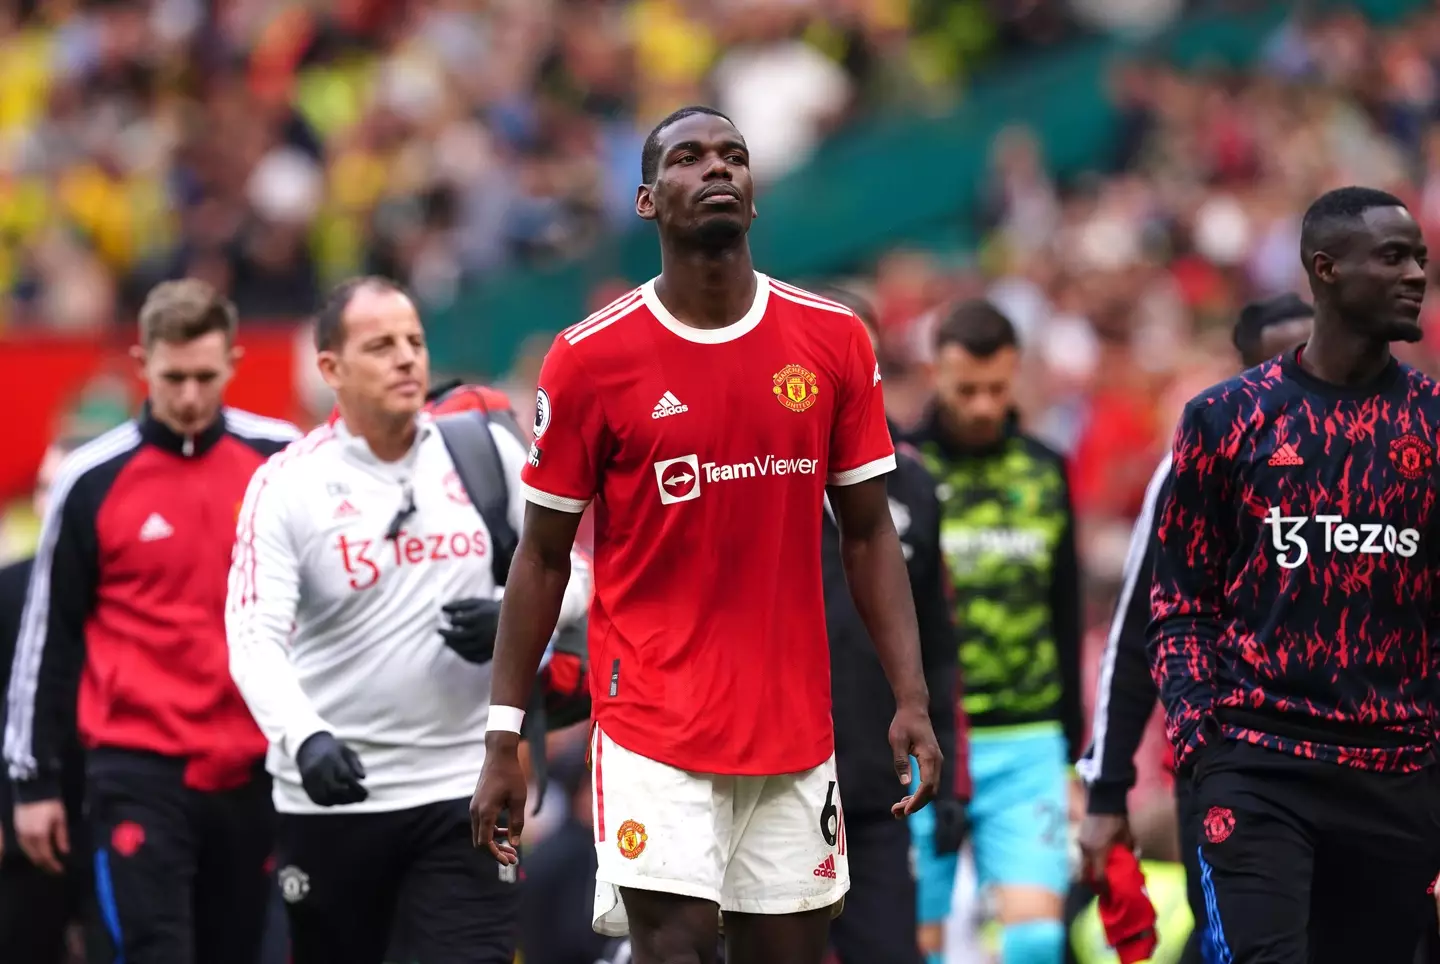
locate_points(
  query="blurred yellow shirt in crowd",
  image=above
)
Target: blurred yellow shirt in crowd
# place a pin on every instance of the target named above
(355, 183)
(98, 204)
(19, 531)
(672, 53)
(25, 75)
(24, 209)
(333, 97)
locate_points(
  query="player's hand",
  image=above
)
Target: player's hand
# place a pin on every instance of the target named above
(330, 771)
(1099, 833)
(470, 626)
(499, 795)
(912, 735)
(44, 834)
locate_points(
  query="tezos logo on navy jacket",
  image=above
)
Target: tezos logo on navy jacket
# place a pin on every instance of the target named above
(1288, 534)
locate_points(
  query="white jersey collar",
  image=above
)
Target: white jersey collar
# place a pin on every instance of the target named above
(710, 336)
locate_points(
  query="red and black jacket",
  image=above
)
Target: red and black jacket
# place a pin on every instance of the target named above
(127, 601)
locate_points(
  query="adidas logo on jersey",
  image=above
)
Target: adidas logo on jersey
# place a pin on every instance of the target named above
(1286, 455)
(668, 405)
(826, 868)
(155, 528)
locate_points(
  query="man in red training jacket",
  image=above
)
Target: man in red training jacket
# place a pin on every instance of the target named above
(126, 605)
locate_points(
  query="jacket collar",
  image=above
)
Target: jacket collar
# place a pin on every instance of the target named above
(357, 446)
(162, 436)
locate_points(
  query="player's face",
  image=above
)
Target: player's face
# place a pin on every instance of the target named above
(1379, 279)
(975, 394)
(382, 365)
(1279, 338)
(187, 380)
(702, 191)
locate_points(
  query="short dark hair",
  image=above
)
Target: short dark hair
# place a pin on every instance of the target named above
(330, 319)
(1333, 215)
(181, 311)
(1259, 315)
(978, 327)
(650, 153)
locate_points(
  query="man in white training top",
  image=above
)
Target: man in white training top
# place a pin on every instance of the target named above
(361, 620)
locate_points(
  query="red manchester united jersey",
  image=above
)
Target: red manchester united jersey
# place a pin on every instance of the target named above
(707, 453)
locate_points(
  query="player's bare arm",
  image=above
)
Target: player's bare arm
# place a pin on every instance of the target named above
(534, 593)
(880, 585)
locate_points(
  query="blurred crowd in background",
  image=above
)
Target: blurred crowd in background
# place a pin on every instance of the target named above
(274, 147)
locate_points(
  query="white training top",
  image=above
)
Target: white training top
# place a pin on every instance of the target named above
(332, 626)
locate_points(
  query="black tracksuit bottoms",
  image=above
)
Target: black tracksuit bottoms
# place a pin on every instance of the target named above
(181, 876)
(1304, 862)
(359, 885)
(878, 923)
(1190, 859)
(37, 907)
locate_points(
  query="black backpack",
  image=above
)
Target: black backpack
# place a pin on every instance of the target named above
(477, 461)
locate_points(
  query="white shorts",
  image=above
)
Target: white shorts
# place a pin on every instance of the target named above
(754, 845)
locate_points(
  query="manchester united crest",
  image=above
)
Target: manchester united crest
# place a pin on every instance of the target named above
(1411, 455)
(294, 884)
(1219, 824)
(630, 838)
(455, 488)
(127, 838)
(795, 387)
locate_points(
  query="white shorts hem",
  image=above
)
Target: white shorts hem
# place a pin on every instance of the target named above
(679, 888)
(610, 930)
(609, 918)
(776, 907)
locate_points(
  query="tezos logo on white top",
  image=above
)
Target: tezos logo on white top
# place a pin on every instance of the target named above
(542, 413)
(1287, 535)
(679, 479)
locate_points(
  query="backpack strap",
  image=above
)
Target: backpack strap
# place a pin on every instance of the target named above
(477, 461)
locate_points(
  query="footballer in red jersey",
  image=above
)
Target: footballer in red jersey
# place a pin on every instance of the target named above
(705, 414)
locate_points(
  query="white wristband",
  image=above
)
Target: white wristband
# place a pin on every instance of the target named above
(505, 719)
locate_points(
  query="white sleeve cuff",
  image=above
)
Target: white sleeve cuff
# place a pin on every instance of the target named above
(557, 502)
(867, 471)
(295, 736)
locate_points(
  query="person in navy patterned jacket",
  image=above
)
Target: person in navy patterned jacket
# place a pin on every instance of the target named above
(1293, 602)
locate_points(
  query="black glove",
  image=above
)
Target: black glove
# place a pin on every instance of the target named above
(330, 771)
(470, 628)
(952, 825)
